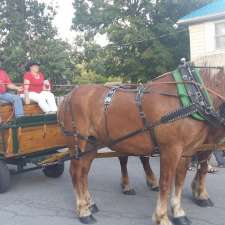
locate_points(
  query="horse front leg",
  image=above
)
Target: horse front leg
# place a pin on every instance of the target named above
(169, 159)
(125, 182)
(151, 179)
(200, 195)
(179, 216)
(91, 204)
(79, 173)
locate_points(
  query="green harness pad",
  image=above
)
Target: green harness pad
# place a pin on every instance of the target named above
(183, 94)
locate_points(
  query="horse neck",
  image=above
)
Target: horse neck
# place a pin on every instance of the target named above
(216, 82)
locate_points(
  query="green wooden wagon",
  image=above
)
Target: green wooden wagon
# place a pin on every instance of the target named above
(26, 142)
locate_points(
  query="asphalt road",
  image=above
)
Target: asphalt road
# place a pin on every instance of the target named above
(36, 200)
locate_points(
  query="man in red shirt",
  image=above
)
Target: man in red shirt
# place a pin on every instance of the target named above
(5, 84)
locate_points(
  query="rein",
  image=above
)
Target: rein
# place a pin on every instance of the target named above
(146, 90)
(189, 82)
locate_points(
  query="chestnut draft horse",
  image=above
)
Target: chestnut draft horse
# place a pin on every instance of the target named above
(82, 113)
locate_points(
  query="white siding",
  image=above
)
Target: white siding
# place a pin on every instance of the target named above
(209, 41)
(197, 37)
(202, 44)
(211, 60)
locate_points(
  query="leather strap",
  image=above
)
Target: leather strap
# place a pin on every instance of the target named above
(146, 123)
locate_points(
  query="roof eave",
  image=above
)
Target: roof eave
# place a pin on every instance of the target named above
(201, 19)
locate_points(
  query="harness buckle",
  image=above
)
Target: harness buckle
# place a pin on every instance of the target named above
(73, 124)
(142, 114)
(107, 100)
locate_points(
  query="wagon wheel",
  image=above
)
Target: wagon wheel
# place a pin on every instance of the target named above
(4, 177)
(54, 171)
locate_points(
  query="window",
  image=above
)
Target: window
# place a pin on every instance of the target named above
(220, 35)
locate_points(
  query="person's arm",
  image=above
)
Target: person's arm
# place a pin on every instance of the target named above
(14, 87)
(9, 84)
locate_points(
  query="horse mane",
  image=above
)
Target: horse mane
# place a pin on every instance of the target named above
(216, 82)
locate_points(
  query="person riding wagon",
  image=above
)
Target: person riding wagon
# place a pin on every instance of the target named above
(37, 89)
(15, 100)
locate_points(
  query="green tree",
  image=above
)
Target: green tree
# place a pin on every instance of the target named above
(87, 76)
(26, 32)
(136, 29)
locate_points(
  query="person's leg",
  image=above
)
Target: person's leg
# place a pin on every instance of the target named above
(219, 157)
(16, 101)
(50, 98)
(36, 97)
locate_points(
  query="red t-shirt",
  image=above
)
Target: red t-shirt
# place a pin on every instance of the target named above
(36, 84)
(4, 80)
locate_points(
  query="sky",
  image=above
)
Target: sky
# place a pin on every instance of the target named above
(63, 20)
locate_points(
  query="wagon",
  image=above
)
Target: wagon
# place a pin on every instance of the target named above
(35, 141)
(27, 141)
(32, 142)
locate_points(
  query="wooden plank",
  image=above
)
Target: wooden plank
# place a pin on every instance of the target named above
(207, 147)
(9, 141)
(32, 139)
(109, 154)
(6, 111)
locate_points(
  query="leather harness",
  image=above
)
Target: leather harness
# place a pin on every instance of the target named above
(199, 104)
(147, 126)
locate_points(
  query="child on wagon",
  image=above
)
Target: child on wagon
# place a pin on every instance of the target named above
(6, 83)
(37, 90)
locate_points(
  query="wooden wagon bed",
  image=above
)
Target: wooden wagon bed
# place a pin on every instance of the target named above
(30, 134)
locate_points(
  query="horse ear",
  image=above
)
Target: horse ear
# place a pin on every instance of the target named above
(222, 110)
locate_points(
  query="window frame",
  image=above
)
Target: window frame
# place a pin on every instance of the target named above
(218, 36)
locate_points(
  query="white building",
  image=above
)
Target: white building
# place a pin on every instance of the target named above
(207, 34)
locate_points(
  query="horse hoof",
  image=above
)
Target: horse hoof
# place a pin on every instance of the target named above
(204, 202)
(153, 188)
(94, 209)
(87, 219)
(130, 192)
(183, 220)
(156, 189)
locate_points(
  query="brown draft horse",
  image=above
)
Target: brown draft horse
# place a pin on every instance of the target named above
(83, 110)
